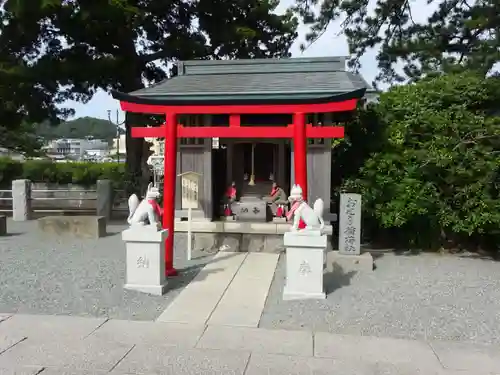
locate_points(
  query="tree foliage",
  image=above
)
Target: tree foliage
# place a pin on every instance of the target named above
(456, 34)
(56, 50)
(436, 177)
(81, 173)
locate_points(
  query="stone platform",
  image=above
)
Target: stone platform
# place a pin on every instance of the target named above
(238, 236)
(78, 226)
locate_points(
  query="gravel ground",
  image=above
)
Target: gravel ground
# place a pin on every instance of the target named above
(418, 297)
(41, 274)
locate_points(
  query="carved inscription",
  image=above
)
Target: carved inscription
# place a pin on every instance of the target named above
(142, 262)
(350, 224)
(304, 268)
(251, 211)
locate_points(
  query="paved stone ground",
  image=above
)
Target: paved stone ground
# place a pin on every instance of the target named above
(82, 346)
(420, 297)
(43, 274)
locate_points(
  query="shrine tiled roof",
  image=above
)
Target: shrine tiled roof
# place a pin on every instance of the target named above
(259, 79)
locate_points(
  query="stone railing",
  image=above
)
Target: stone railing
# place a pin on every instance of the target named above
(27, 198)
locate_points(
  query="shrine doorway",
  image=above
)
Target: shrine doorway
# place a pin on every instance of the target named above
(258, 167)
(271, 162)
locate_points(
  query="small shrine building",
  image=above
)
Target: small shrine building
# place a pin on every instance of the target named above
(252, 122)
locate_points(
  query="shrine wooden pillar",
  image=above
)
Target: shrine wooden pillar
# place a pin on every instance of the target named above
(169, 182)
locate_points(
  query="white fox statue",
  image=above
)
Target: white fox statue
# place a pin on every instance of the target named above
(304, 217)
(147, 211)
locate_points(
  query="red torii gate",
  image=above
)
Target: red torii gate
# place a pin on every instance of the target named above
(298, 131)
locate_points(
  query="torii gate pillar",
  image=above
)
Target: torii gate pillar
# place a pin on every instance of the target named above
(169, 179)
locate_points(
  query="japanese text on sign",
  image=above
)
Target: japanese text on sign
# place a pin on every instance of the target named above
(350, 229)
(189, 190)
(350, 224)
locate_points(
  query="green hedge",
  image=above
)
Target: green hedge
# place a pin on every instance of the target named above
(81, 173)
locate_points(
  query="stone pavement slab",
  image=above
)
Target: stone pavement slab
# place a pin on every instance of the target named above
(467, 357)
(8, 341)
(81, 346)
(298, 343)
(286, 365)
(44, 326)
(58, 371)
(151, 333)
(261, 364)
(75, 354)
(374, 349)
(292, 365)
(197, 301)
(21, 370)
(174, 361)
(244, 299)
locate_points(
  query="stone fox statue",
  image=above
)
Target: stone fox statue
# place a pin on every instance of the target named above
(147, 211)
(305, 217)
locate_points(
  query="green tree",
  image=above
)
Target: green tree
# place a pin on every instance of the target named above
(74, 47)
(436, 178)
(78, 128)
(24, 101)
(457, 34)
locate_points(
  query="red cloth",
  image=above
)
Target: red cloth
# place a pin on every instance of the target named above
(231, 192)
(227, 211)
(289, 216)
(156, 207)
(302, 225)
(274, 191)
(279, 212)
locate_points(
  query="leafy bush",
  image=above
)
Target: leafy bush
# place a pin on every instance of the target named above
(64, 173)
(434, 180)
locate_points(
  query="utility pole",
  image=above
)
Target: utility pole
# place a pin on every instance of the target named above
(117, 124)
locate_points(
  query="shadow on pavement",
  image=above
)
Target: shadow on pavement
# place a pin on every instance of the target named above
(337, 279)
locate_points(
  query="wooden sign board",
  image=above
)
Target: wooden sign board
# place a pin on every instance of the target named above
(189, 190)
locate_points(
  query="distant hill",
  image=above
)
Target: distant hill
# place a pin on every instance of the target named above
(79, 128)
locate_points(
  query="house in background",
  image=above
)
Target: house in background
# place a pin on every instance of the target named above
(76, 148)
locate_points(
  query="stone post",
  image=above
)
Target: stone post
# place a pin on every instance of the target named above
(21, 200)
(145, 252)
(349, 257)
(305, 259)
(104, 192)
(350, 224)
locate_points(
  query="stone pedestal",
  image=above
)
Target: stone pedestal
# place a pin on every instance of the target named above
(75, 226)
(305, 257)
(145, 249)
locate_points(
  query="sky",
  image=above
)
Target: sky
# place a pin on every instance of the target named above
(332, 43)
